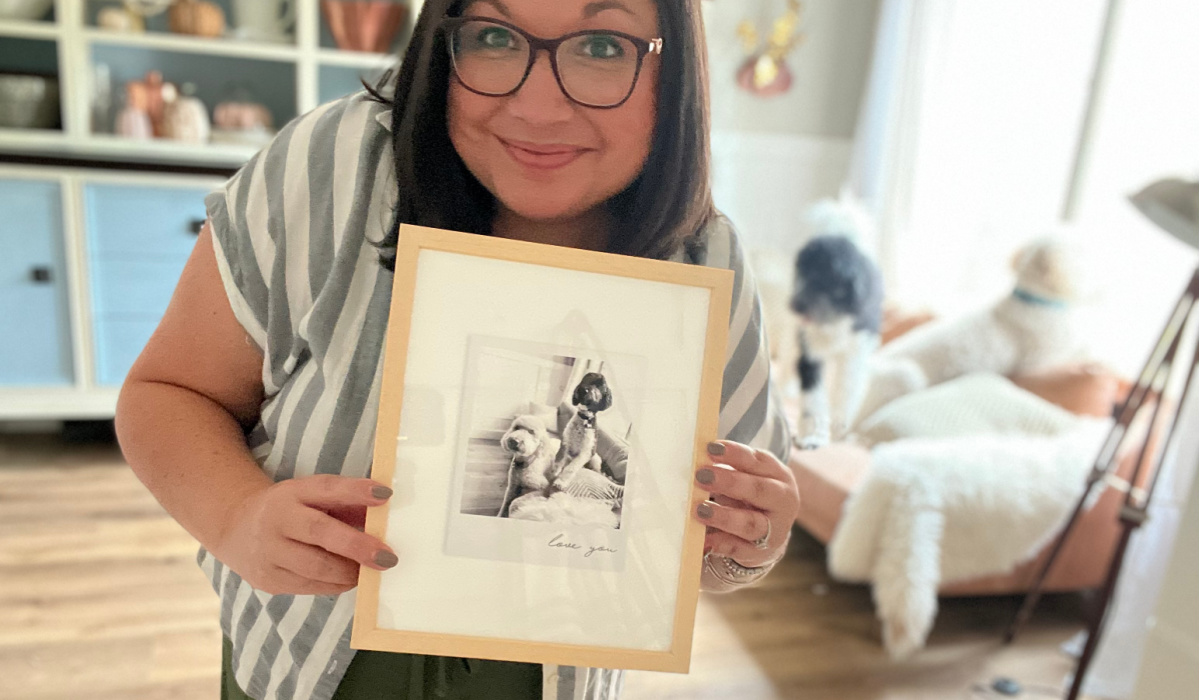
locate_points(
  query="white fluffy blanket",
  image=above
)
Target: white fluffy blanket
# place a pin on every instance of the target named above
(953, 509)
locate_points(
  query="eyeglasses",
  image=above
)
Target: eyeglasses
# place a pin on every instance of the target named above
(594, 68)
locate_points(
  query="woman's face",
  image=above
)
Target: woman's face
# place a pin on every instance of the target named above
(541, 155)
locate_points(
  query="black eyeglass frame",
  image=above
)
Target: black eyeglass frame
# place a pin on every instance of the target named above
(538, 44)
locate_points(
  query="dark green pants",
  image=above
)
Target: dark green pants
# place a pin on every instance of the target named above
(377, 675)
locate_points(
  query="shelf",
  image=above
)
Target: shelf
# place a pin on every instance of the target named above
(29, 139)
(288, 78)
(116, 148)
(178, 43)
(29, 29)
(169, 151)
(57, 403)
(356, 59)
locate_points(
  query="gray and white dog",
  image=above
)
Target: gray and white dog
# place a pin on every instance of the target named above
(838, 299)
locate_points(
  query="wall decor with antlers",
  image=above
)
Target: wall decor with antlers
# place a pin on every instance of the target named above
(765, 71)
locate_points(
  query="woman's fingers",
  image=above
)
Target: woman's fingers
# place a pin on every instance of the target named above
(311, 526)
(747, 525)
(759, 492)
(749, 460)
(317, 565)
(329, 491)
(754, 501)
(282, 581)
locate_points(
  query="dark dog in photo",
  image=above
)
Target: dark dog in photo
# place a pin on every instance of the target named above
(578, 450)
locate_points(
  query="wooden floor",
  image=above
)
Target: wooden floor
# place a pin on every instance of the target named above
(100, 599)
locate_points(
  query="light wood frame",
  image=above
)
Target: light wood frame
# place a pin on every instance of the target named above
(412, 240)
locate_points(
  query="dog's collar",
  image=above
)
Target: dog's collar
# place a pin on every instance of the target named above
(1031, 298)
(588, 416)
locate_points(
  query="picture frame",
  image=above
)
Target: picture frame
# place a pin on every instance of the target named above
(542, 412)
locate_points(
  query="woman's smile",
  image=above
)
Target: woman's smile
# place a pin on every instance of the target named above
(544, 157)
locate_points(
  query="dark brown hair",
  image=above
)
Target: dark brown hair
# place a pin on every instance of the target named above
(665, 207)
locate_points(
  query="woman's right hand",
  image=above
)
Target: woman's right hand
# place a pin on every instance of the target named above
(295, 537)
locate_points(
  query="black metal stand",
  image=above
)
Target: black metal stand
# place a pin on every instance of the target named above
(1151, 383)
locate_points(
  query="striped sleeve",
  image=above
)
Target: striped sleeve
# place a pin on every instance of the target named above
(271, 238)
(751, 410)
(242, 257)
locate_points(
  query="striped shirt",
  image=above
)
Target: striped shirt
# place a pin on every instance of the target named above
(293, 233)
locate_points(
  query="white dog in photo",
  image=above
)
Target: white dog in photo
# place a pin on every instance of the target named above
(533, 451)
(1030, 329)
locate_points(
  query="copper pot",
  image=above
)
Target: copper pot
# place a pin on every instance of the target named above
(364, 25)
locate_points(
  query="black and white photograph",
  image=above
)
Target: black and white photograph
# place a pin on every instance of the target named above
(546, 436)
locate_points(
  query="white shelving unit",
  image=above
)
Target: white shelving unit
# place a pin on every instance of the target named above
(86, 276)
(78, 43)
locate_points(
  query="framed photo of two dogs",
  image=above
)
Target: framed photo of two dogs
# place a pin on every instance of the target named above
(541, 415)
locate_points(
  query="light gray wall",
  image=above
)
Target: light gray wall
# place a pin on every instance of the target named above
(829, 68)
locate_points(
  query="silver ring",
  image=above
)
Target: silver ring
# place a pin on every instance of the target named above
(762, 542)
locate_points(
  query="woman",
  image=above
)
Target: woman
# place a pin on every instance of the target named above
(250, 414)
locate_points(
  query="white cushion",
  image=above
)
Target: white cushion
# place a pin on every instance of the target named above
(974, 404)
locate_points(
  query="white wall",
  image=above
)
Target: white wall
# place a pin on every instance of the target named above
(829, 68)
(1170, 660)
(773, 157)
(764, 182)
(1147, 635)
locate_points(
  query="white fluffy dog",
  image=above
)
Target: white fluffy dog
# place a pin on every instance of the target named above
(533, 450)
(1028, 330)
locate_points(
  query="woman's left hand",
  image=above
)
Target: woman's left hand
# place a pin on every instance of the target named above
(754, 499)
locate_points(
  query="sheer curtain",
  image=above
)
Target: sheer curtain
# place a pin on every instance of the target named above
(967, 138)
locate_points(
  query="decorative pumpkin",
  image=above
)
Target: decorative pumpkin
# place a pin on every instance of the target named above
(147, 8)
(197, 18)
(240, 116)
(119, 19)
(186, 118)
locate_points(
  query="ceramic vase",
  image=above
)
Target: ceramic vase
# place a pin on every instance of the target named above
(364, 25)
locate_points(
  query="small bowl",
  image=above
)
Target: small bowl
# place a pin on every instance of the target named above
(24, 9)
(29, 101)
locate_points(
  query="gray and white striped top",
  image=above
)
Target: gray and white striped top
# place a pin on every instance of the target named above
(293, 232)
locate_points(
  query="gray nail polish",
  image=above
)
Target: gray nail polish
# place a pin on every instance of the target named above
(381, 492)
(386, 559)
(704, 511)
(716, 448)
(706, 476)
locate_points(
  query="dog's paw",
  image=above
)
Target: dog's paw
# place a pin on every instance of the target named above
(809, 442)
